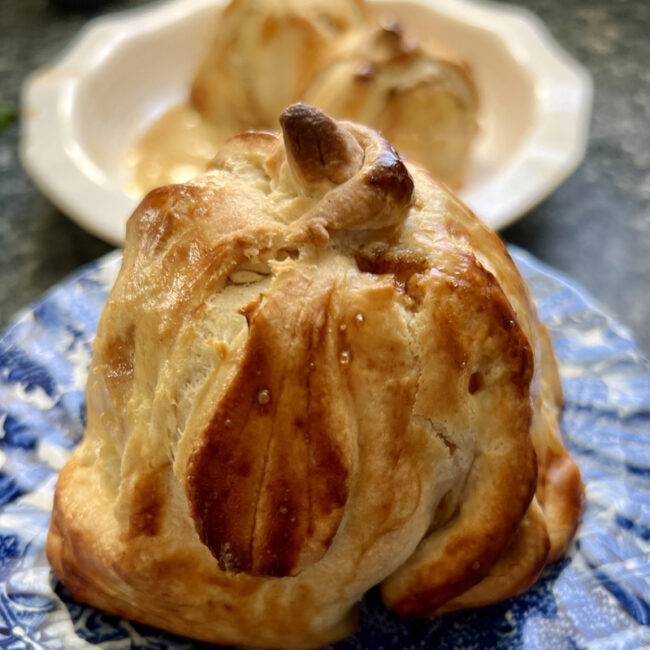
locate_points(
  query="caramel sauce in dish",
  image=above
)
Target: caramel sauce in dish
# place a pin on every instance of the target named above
(177, 147)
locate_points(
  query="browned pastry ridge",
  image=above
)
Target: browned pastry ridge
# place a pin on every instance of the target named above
(317, 371)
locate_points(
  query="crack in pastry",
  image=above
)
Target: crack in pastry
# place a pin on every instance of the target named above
(317, 372)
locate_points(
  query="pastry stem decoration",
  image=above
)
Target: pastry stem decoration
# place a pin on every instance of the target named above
(374, 188)
(317, 372)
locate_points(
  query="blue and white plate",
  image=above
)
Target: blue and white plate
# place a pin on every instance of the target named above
(597, 597)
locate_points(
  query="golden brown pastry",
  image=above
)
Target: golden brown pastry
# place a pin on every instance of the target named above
(263, 55)
(317, 371)
(424, 104)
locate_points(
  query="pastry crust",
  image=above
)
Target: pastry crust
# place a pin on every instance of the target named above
(263, 55)
(425, 104)
(317, 371)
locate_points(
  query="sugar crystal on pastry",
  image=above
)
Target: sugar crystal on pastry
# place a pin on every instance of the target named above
(317, 372)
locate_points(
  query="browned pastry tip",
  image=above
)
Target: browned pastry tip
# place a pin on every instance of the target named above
(373, 189)
(318, 148)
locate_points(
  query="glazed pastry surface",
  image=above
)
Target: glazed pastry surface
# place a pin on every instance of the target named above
(317, 371)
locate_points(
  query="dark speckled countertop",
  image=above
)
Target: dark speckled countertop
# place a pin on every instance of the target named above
(595, 228)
